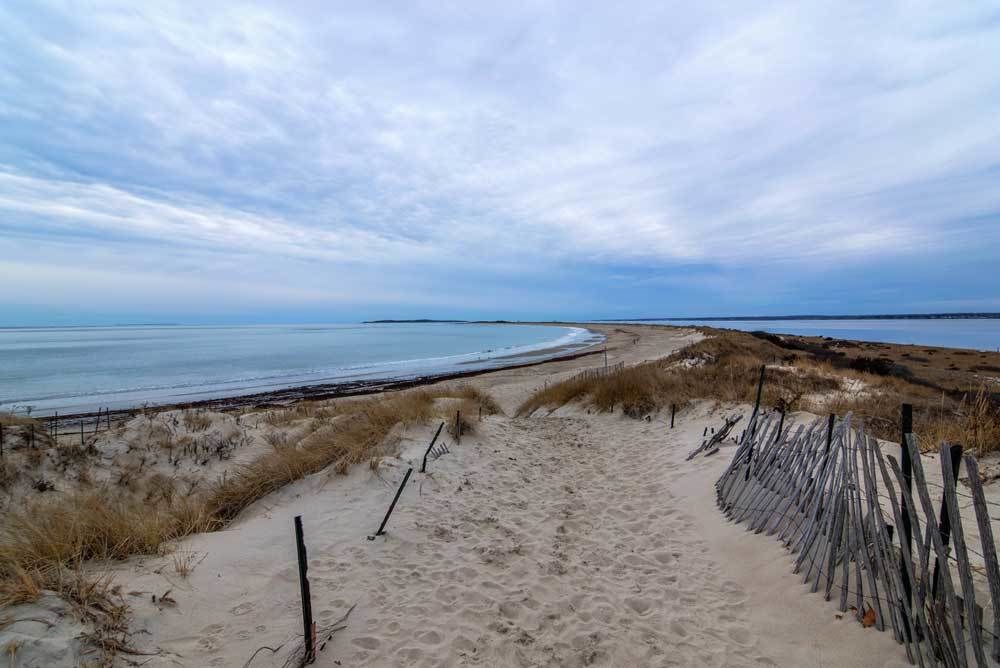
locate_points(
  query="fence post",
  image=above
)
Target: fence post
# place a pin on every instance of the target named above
(673, 411)
(944, 524)
(32, 433)
(81, 432)
(1, 440)
(308, 627)
(458, 427)
(752, 426)
(423, 466)
(906, 530)
(392, 506)
(829, 431)
(605, 357)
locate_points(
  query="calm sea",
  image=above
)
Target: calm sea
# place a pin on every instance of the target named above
(75, 369)
(973, 333)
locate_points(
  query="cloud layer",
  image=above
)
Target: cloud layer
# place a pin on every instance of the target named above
(557, 160)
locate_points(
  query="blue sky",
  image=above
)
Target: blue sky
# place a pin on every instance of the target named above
(211, 162)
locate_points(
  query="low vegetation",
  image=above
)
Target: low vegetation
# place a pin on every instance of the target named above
(800, 376)
(45, 538)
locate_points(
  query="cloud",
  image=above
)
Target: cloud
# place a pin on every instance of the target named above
(543, 147)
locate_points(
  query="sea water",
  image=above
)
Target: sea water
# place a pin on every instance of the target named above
(76, 369)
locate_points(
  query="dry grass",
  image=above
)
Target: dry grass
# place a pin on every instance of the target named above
(43, 540)
(185, 561)
(12, 420)
(726, 367)
(350, 433)
(196, 420)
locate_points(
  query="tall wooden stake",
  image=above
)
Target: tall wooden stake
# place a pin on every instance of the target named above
(423, 466)
(944, 524)
(308, 627)
(906, 531)
(392, 506)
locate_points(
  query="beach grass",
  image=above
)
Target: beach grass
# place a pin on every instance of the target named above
(41, 539)
(725, 367)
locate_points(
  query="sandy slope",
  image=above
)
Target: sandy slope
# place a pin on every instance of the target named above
(560, 540)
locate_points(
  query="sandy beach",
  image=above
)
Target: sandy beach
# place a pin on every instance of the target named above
(569, 538)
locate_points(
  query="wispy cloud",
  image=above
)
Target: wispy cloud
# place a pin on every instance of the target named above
(452, 151)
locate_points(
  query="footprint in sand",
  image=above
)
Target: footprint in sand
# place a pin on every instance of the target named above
(242, 609)
(367, 642)
(639, 605)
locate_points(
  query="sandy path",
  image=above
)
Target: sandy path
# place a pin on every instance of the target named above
(565, 548)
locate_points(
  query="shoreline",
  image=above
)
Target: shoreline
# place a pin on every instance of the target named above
(356, 388)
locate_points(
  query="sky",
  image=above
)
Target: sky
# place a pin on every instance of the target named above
(324, 161)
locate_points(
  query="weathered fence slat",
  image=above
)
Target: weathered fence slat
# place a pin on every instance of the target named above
(829, 494)
(989, 547)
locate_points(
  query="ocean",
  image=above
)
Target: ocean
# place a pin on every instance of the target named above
(79, 369)
(971, 333)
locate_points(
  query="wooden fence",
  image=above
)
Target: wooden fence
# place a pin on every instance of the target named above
(600, 372)
(848, 512)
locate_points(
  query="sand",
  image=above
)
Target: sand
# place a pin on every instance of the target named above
(563, 539)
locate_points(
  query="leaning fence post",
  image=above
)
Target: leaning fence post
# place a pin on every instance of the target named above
(752, 426)
(392, 506)
(988, 545)
(423, 466)
(906, 535)
(944, 524)
(673, 411)
(308, 626)
(829, 431)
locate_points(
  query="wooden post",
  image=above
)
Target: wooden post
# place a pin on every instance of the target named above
(989, 546)
(423, 466)
(392, 506)
(605, 357)
(673, 411)
(308, 627)
(829, 431)
(949, 475)
(31, 433)
(54, 426)
(81, 432)
(906, 530)
(458, 427)
(752, 426)
(944, 523)
(1, 440)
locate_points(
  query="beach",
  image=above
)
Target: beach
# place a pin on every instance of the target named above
(568, 537)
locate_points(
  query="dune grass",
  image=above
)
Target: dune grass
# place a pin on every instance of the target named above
(41, 540)
(726, 366)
